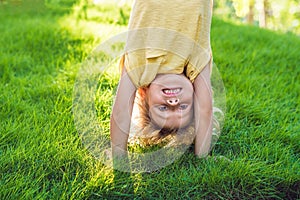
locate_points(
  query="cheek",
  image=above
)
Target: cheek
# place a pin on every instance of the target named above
(189, 98)
(154, 99)
(153, 96)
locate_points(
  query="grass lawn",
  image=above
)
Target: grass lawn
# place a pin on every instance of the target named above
(42, 155)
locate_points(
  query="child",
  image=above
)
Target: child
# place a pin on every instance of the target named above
(168, 61)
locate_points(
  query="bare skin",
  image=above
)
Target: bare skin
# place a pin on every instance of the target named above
(121, 115)
(171, 99)
(203, 112)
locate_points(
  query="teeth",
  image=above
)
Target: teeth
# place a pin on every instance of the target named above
(171, 91)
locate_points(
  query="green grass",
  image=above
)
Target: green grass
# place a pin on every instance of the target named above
(42, 156)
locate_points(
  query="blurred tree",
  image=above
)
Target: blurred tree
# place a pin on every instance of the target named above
(250, 15)
(273, 14)
(264, 10)
(284, 15)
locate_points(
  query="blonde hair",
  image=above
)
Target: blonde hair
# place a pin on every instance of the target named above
(148, 134)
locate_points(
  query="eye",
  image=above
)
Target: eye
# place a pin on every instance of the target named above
(183, 106)
(162, 108)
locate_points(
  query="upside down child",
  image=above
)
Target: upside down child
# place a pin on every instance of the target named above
(166, 68)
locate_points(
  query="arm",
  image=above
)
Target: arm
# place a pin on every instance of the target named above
(203, 112)
(121, 116)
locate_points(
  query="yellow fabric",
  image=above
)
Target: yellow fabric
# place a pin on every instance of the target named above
(168, 36)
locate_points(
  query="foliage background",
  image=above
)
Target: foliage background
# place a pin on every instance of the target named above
(272, 14)
(42, 44)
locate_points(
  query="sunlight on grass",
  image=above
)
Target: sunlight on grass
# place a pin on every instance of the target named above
(43, 157)
(98, 31)
(100, 23)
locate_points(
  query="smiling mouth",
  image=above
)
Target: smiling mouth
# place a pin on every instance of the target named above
(173, 91)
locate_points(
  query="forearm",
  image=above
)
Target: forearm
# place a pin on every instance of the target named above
(119, 132)
(119, 137)
(203, 133)
(121, 116)
(120, 124)
(203, 112)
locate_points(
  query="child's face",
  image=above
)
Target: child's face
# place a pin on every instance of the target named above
(170, 99)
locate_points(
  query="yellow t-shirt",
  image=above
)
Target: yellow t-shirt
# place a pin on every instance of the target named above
(167, 37)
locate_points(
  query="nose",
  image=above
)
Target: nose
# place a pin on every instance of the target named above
(173, 102)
